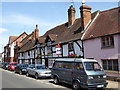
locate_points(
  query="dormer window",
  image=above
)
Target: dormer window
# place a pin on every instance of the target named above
(107, 41)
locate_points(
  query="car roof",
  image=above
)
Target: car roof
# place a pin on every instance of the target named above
(75, 60)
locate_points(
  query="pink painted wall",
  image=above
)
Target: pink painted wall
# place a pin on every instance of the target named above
(92, 49)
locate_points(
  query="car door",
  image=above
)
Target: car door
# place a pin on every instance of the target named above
(33, 70)
(30, 69)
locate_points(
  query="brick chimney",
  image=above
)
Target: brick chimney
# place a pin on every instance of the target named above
(71, 15)
(85, 12)
(36, 32)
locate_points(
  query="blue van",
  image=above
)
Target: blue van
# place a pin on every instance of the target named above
(80, 73)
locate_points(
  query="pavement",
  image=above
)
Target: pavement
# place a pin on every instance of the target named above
(11, 80)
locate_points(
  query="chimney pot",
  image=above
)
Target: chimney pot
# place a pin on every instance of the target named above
(36, 26)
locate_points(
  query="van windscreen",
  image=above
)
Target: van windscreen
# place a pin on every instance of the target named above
(92, 66)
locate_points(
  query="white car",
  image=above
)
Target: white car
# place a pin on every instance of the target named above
(38, 71)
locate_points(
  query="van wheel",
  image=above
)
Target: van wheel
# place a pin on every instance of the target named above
(76, 85)
(56, 80)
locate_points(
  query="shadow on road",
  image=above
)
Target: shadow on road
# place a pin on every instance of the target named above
(65, 85)
(70, 86)
(111, 89)
(62, 84)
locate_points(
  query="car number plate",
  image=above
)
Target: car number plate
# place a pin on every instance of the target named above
(99, 86)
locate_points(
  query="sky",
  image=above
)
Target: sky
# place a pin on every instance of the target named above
(19, 17)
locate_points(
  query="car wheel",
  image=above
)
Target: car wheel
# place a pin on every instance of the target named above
(20, 72)
(27, 74)
(14, 71)
(56, 80)
(36, 76)
(9, 69)
(76, 85)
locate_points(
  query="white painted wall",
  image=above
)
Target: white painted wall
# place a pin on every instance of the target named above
(77, 49)
(45, 51)
(12, 50)
(32, 54)
(20, 57)
(65, 50)
(42, 53)
(54, 49)
(20, 61)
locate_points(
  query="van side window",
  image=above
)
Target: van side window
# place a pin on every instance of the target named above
(55, 64)
(58, 65)
(78, 66)
(67, 65)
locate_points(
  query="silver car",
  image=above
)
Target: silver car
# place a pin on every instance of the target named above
(38, 71)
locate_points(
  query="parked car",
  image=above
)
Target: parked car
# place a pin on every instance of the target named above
(5, 65)
(1, 64)
(12, 66)
(38, 71)
(80, 73)
(21, 69)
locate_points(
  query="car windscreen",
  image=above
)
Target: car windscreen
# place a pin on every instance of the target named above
(92, 66)
(41, 67)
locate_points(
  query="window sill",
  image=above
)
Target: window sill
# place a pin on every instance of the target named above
(107, 47)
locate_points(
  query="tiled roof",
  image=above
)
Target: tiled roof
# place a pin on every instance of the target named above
(25, 40)
(105, 24)
(41, 39)
(63, 33)
(12, 38)
(53, 37)
(27, 46)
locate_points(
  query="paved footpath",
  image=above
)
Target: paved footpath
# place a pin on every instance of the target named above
(113, 85)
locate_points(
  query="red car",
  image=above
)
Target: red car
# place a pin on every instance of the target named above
(12, 66)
